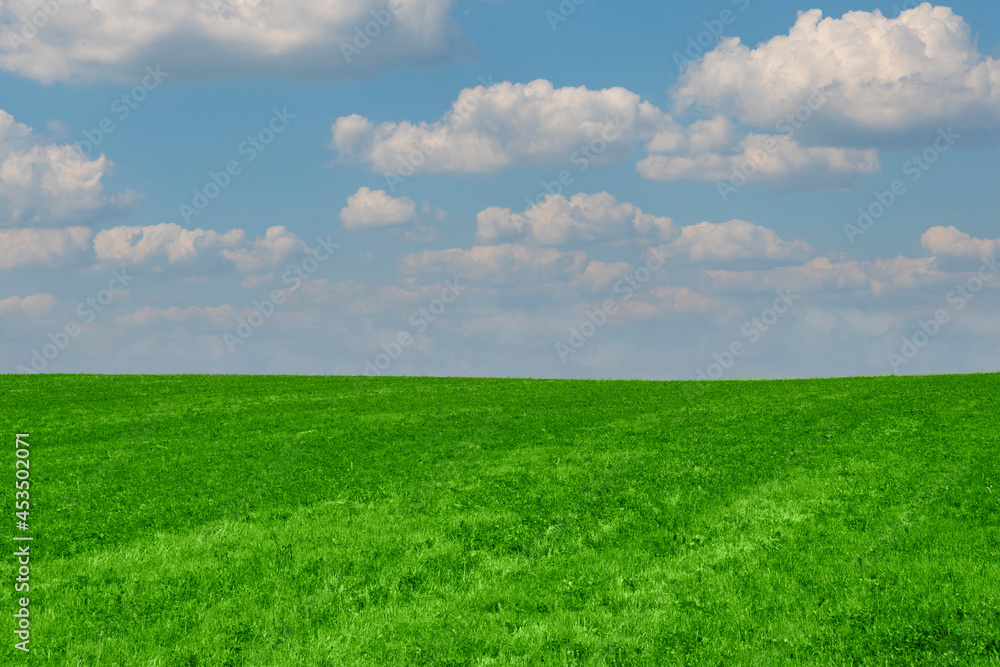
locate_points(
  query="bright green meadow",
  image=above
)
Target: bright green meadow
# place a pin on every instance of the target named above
(336, 521)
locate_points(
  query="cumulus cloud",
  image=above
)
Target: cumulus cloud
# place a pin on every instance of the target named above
(951, 241)
(537, 125)
(507, 263)
(210, 39)
(882, 76)
(878, 276)
(36, 304)
(41, 247)
(736, 240)
(51, 184)
(582, 217)
(763, 158)
(699, 137)
(601, 217)
(493, 127)
(599, 275)
(169, 244)
(264, 253)
(376, 208)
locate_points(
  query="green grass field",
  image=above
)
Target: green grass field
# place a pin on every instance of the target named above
(192, 520)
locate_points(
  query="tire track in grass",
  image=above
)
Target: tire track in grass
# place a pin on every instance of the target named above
(284, 547)
(788, 510)
(237, 560)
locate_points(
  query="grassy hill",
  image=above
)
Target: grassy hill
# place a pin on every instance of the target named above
(225, 520)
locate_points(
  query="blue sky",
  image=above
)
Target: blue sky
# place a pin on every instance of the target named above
(647, 129)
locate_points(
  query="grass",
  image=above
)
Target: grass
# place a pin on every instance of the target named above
(215, 521)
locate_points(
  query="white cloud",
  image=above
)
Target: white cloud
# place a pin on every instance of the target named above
(879, 276)
(375, 208)
(51, 184)
(599, 275)
(209, 39)
(506, 124)
(582, 217)
(762, 158)
(951, 241)
(601, 217)
(878, 74)
(507, 263)
(736, 240)
(666, 331)
(699, 137)
(538, 125)
(277, 245)
(41, 247)
(169, 244)
(36, 304)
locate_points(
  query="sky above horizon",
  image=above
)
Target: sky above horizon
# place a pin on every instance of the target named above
(575, 189)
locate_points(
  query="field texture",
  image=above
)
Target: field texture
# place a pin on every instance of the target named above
(352, 521)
